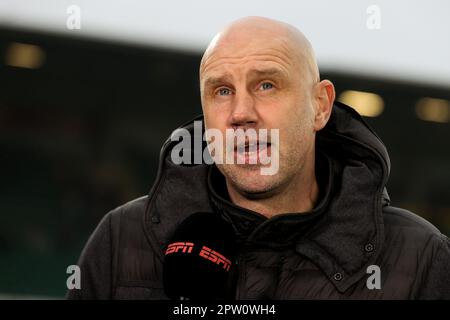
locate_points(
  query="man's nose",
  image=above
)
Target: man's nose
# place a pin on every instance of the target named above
(243, 114)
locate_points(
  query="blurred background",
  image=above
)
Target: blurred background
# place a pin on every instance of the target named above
(89, 91)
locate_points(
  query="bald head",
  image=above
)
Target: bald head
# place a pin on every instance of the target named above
(250, 34)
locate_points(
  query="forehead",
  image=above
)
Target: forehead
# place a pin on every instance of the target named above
(244, 56)
(248, 67)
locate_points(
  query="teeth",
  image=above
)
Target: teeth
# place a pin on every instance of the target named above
(251, 147)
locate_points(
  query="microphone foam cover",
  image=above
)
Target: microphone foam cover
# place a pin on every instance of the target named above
(199, 258)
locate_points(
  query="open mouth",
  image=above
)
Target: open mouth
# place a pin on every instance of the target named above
(251, 152)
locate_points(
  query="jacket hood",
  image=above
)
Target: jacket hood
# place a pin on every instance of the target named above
(347, 125)
(344, 231)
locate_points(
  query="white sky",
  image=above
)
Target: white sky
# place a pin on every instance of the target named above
(413, 42)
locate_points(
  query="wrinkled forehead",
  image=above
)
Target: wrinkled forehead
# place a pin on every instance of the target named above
(263, 48)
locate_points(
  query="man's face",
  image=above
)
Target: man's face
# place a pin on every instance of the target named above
(260, 84)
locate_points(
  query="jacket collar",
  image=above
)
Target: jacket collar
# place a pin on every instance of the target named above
(280, 230)
(340, 234)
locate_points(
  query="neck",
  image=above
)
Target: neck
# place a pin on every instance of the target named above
(298, 195)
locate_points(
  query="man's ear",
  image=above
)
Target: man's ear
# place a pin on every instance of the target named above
(324, 99)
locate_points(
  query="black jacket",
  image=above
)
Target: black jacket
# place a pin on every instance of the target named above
(321, 255)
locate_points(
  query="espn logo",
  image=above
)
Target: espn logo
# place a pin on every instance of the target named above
(184, 247)
(215, 257)
(205, 252)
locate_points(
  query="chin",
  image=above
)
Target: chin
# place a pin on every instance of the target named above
(249, 181)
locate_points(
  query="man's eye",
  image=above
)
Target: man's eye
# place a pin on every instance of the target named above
(224, 92)
(266, 86)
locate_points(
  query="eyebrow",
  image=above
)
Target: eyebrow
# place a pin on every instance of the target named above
(270, 72)
(257, 73)
(215, 81)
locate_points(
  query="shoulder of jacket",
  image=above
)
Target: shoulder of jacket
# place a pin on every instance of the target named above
(132, 209)
(402, 219)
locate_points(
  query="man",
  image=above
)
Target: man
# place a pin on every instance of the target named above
(321, 227)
